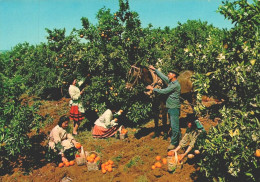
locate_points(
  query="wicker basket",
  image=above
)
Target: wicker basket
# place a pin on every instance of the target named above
(173, 163)
(94, 165)
(81, 161)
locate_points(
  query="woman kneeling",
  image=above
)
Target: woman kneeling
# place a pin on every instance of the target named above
(107, 124)
(61, 141)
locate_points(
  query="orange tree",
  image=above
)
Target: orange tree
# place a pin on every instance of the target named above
(17, 119)
(233, 75)
(111, 47)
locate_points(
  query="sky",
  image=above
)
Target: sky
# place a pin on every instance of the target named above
(25, 20)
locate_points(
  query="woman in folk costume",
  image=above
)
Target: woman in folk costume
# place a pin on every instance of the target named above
(107, 124)
(60, 140)
(76, 109)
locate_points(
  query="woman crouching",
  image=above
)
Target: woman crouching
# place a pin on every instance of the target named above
(107, 124)
(62, 142)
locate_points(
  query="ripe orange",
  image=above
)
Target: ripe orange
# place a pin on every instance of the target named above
(190, 156)
(164, 161)
(91, 160)
(109, 169)
(72, 163)
(61, 164)
(158, 157)
(97, 159)
(257, 153)
(197, 152)
(78, 145)
(134, 130)
(153, 167)
(110, 162)
(158, 164)
(93, 156)
(67, 164)
(170, 153)
(104, 171)
(96, 110)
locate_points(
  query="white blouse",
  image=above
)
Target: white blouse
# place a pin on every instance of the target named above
(106, 120)
(75, 96)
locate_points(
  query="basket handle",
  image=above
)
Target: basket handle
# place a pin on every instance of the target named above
(176, 157)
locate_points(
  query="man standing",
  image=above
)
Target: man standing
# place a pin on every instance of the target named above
(172, 103)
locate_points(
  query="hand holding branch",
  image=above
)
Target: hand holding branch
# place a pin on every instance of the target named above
(149, 87)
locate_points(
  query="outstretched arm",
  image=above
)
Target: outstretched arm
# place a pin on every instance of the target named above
(160, 74)
(186, 153)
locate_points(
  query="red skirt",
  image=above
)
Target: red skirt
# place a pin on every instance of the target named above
(101, 132)
(75, 115)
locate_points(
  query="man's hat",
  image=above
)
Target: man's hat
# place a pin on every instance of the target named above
(175, 72)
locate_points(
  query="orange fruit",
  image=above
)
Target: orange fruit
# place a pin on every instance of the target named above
(134, 130)
(170, 153)
(158, 157)
(158, 164)
(106, 167)
(78, 145)
(153, 167)
(197, 152)
(61, 164)
(257, 153)
(93, 156)
(110, 162)
(72, 163)
(103, 166)
(91, 160)
(104, 171)
(190, 156)
(67, 164)
(96, 110)
(109, 169)
(97, 159)
(164, 161)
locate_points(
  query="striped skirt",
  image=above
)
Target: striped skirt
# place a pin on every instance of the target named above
(101, 132)
(75, 115)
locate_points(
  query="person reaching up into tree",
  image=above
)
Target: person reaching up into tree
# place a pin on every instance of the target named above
(76, 109)
(194, 129)
(107, 124)
(172, 103)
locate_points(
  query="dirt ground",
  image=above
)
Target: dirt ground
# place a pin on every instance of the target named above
(133, 156)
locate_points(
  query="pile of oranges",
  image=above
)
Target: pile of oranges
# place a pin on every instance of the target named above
(107, 166)
(93, 158)
(67, 164)
(159, 162)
